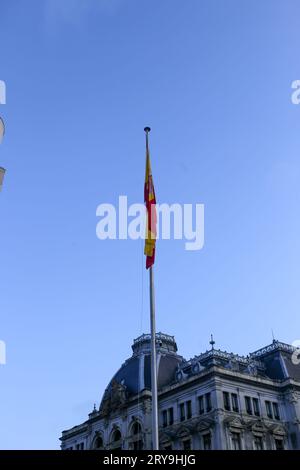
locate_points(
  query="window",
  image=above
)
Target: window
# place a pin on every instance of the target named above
(258, 443)
(182, 412)
(98, 443)
(294, 440)
(236, 441)
(206, 441)
(165, 418)
(80, 446)
(204, 403)
(187, 445)
(117, 436)
(279, 444)
(116, 440)
(201, 405)
(208, 402)
(136, 429)
(272, 410)
(269, 410)
(226, 401)
(138, 445)
(256, 407)
(136, 433)
(235, 403)
(171, 416)
(248, 405)
(189, 409)
(185, 410)
(276, 411)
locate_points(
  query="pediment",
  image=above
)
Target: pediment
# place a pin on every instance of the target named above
(234, 422)
(204, 424)
(183, 431)
(258, 428)
(279, 430)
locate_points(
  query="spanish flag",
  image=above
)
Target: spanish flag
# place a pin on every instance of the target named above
(150, 202)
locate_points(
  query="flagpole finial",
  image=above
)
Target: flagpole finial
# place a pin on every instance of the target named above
(147, 129)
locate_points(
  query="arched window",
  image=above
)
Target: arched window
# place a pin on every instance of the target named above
(116, 436)
(136, 436)
(136, 428)
(116, 440)
(98, 444)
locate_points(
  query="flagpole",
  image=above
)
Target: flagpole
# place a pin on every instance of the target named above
(153, 364)
(155, 441)
(2, 170)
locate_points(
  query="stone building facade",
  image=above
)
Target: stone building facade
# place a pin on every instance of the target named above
(217, 400)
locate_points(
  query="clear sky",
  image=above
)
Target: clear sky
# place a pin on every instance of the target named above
(213, 80)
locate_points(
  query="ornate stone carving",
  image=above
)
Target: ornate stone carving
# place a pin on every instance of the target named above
(146, 406)
(258, 428)
(252, 368)
(180, 375)
(292, 397)
(114, 398)
(197, 368)
(233, 364)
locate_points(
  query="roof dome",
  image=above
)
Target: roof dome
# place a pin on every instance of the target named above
(135, 374)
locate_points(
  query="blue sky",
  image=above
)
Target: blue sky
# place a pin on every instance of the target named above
(213, 80)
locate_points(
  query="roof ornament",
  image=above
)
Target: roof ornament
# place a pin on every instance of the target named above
(212, 342)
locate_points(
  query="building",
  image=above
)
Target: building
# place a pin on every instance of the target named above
(217, 400)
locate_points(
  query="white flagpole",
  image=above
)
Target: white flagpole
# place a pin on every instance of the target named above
(155, 441)
(153, 364)
(2, 170)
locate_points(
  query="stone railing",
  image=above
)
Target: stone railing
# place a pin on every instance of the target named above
(275, 346)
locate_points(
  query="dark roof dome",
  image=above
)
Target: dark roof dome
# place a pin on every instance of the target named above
(135, 374)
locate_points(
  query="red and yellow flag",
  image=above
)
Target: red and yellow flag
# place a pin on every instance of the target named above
(150, 202)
